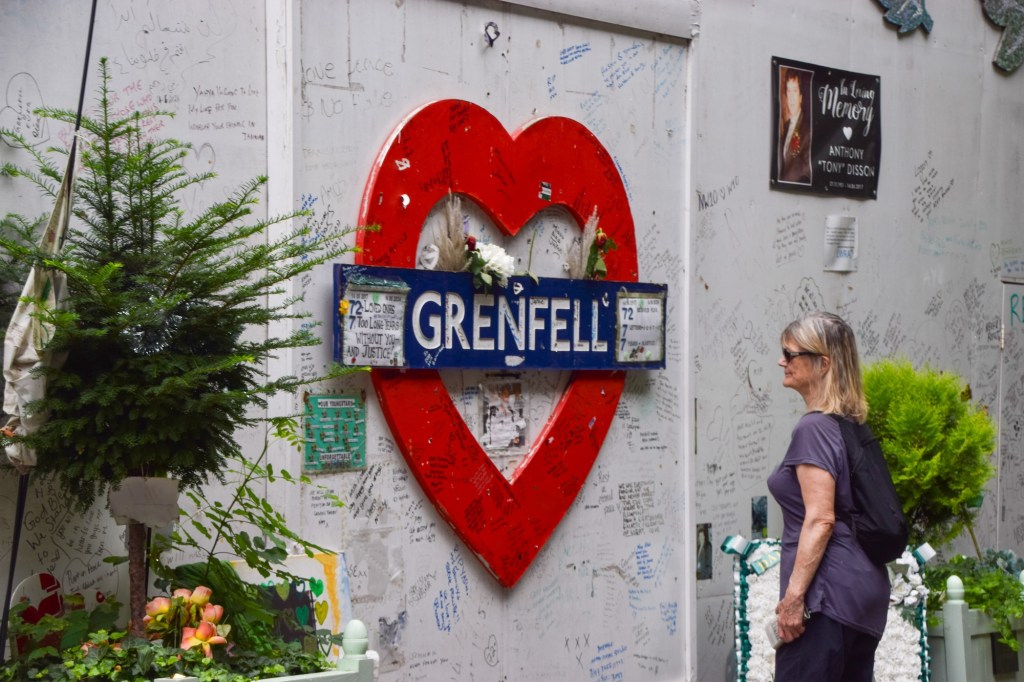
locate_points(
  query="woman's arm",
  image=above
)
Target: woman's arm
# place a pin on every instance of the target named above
(818, 489)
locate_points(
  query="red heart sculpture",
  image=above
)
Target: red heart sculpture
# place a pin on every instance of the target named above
(456, 146)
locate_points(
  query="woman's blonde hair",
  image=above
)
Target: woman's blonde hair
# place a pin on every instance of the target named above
(842, 391)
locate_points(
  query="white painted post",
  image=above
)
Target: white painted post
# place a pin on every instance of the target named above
(954, 612)
(354, 642)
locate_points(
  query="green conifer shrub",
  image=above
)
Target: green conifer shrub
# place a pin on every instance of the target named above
(937, 442)
(166, 330)
(165, 353)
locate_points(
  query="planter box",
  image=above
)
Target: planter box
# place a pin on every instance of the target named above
(363, 674)
(965, 647)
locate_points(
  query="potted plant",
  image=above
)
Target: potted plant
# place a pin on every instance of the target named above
(161, 366)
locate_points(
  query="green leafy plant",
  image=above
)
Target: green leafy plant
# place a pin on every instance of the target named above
(252, 628)
(85, 645)
(255, 627)
(116, 657)
(249, 527)
(161, 366)
(991, 585)
(51, 634)
(938, 445)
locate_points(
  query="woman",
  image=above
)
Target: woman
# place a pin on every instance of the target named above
(834, 600)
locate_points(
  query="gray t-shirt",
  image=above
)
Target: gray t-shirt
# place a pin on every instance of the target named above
(847, 587)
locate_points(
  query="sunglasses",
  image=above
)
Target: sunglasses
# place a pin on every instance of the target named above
(789, 355)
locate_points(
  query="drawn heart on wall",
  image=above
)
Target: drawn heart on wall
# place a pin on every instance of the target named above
(456, 146)
(320, 608)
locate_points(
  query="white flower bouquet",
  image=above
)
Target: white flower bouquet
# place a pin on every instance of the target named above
(489, 263)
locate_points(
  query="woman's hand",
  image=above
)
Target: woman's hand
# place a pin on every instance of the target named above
(790, 617)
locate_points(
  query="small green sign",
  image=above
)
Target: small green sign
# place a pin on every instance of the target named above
(335, 428)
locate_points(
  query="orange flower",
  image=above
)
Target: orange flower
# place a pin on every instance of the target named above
(213, 613)
(201, 595)
(158, 610)
(205, 636)
(158, 606)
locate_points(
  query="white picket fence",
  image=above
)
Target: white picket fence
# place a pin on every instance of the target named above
(964, 649)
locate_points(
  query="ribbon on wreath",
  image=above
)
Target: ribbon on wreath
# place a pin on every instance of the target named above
(742, 548)
(751, 557)
(923, 553)
(737, 545)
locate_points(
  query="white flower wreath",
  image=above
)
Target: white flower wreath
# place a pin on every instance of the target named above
(901, 655)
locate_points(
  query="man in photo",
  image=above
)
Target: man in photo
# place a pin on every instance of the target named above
(794, 126)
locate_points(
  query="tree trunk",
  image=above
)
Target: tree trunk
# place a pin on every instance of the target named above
(137, 578)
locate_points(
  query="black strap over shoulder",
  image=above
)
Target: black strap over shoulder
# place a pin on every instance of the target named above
(877, 518)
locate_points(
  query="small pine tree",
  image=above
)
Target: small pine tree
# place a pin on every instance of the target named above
(23, 233)
(165, 327)
(937, 443)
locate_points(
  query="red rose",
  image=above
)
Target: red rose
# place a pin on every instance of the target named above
(600, 238)
(471, 243)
